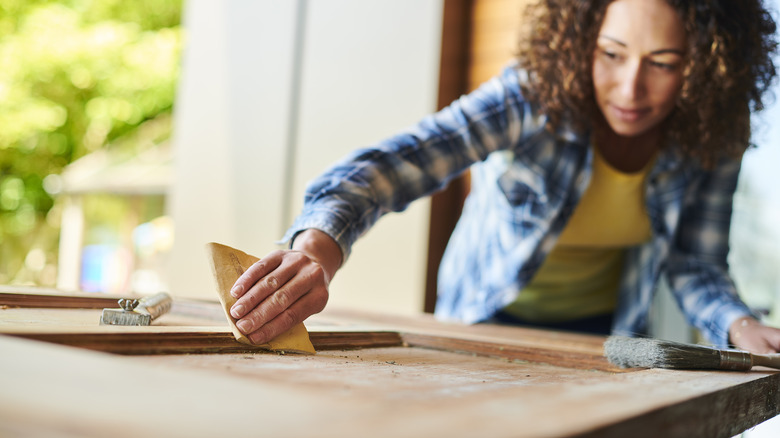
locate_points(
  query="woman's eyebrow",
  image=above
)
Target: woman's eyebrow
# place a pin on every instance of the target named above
(654, 52)
(614, 40)
(672, 51)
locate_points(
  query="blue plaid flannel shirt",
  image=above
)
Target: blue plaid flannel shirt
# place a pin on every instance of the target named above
(526, 181)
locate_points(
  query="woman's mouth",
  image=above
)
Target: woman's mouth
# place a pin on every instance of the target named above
(628, 114)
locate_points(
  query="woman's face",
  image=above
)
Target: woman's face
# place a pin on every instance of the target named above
(638, 64)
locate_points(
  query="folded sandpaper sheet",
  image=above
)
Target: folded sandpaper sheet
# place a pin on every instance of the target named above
(227, 264)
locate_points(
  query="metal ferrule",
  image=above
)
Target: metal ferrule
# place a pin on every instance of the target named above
(735, 360)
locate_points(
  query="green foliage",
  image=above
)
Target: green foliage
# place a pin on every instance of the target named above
(76, 75)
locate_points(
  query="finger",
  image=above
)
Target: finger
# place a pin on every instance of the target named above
(267, 286)
(310, 304)
(306, 279)
(258, 270)
(772, 337)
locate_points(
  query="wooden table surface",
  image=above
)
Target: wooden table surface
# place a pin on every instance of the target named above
(62, 375)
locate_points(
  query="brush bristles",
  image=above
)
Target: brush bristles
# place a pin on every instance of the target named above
(629, 352)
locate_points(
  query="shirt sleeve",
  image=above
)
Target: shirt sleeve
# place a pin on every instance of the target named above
(697, 266)
(352, 195)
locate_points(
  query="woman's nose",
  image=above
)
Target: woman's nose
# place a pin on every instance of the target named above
(632, 81)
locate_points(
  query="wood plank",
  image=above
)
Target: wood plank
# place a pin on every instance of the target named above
(192, 327)
(177, 334)
(509, 381)
(155, 340)
(384, 373)
(495, 30)
(43, 300)
(447, 204)
(427, 324)
(731, 411)
(79, 328)
(34, 297)
(89, 394)
(420, 375)
(191, 340)
(512, 352)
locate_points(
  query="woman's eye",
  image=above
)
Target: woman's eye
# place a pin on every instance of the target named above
(663, 66)
(610, 55)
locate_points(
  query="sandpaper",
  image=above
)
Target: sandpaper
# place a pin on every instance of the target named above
(227, 264)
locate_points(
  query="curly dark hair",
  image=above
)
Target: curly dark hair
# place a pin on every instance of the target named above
(728, 69)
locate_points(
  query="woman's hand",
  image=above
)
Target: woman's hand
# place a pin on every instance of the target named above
(750, 335)
(285, 287)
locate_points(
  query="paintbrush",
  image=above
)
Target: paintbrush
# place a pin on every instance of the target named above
(629, 352)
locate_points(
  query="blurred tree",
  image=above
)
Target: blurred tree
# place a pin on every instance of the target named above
(75, 76)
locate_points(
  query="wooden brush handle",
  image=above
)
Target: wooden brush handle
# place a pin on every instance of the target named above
(767, 360)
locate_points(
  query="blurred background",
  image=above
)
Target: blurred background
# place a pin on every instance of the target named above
(86, 86)
(132, 133)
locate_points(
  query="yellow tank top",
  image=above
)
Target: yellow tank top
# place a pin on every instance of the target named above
(581, 275)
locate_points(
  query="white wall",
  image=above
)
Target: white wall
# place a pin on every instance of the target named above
(271, 93)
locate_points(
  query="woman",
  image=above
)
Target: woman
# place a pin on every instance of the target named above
(605, 157)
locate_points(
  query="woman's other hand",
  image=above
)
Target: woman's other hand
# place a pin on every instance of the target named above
(750, 335)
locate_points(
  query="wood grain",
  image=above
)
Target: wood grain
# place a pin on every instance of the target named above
(513, 352)
(45, 298)
(193, 340)
(175, 333)
(386, 392)
(730, 412)
(435, 378)
(8, 298)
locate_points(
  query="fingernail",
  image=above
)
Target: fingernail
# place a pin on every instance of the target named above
(244, 325)
(237, 290)
(237, 311)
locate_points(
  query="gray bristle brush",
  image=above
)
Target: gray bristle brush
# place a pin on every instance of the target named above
(629, 352)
